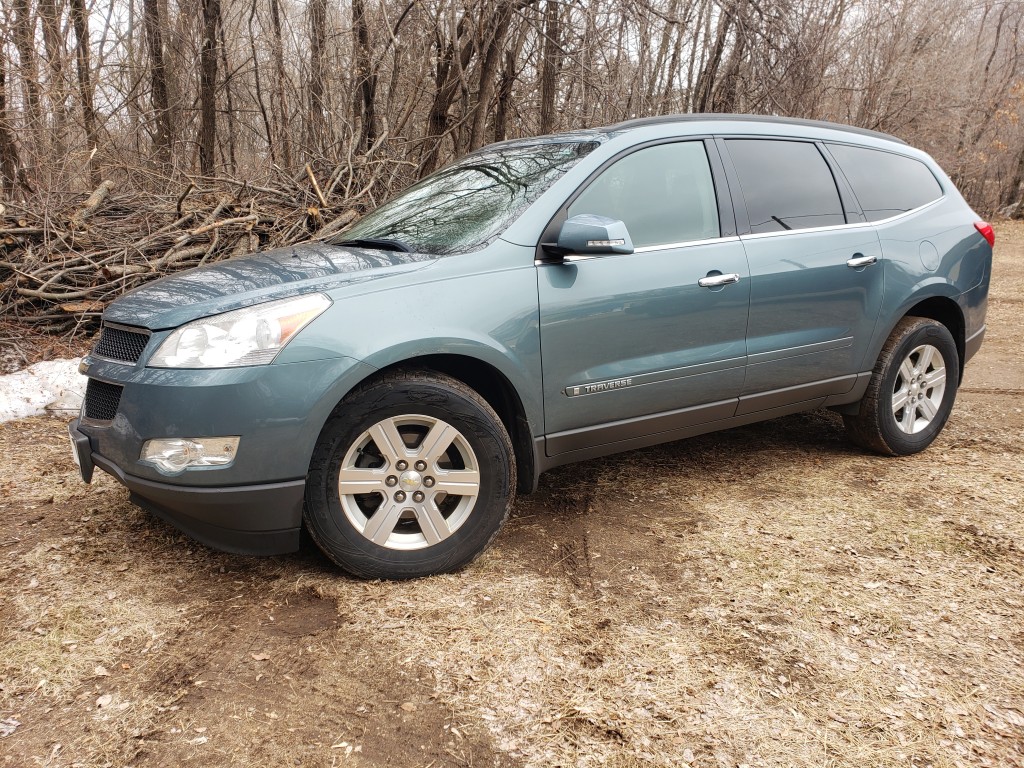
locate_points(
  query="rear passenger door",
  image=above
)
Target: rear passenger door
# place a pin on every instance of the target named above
(815, 280)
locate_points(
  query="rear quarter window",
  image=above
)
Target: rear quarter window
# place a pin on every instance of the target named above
(885, 184)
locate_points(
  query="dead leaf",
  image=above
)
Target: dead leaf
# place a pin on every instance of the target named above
(8, 725)
(101, 671)
(260, 656)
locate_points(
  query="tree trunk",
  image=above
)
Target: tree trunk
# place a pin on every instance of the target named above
(80, 17)
(1012, 191)
(706, 80)
(10, 163)
(280, 77)
(488, 73)
(25, 42)
(550, 66)
(671, 22)
(725, 95)
(57, 91)
(447, 85)
(316, 121)
(163, 134)
(365, 92)
(229, 99)
(504, 105)
(258, 84)
(208, 88)
(666, 95)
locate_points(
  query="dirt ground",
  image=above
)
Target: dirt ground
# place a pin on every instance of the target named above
(767, 596)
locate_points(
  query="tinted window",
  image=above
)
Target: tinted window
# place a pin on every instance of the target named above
(664, 194)
(786, 185)
(885, 184)
(466, 206)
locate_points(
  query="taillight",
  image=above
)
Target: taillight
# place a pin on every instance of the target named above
(986, 231)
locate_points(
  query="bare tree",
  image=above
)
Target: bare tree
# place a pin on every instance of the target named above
(208, 87)
(316, 116)
(365, 89)
(163, 135)
(11, 173)
(85, 88)
(373, 94)
(550, 65)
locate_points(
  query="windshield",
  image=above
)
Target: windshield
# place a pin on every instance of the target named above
(466, 206)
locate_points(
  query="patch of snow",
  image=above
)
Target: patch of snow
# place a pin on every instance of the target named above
(52, 386)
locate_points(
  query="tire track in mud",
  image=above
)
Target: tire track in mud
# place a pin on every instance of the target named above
(991, 391)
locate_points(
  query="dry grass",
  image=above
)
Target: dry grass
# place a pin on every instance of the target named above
(767, 596)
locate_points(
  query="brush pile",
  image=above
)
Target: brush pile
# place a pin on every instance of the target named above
(63, 260)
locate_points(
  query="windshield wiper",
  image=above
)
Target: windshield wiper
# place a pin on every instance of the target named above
(380, 244)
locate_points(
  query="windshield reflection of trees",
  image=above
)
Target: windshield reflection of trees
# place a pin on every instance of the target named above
(466, 206)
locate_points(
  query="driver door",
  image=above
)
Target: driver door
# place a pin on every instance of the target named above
(654, 340)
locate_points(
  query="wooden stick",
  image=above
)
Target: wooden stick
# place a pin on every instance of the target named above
(94, 201)
(316, 186)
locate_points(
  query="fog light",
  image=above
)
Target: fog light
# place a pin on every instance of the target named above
(173, 455)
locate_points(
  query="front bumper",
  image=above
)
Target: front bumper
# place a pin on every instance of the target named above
(262, 519)
(253, 505)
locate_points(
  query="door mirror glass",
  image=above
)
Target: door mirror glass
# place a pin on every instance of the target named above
(593, 235)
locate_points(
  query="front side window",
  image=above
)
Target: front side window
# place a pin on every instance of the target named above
(786, 185)
(465, 206)
(885, 184)
(664, 194)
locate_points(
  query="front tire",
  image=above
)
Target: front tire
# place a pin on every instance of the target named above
(413, 475)
(911, 392)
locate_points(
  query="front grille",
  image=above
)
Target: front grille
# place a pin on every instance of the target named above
(121, 344)
(101, 400)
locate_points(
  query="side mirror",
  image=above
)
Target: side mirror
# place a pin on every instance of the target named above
(591, 235)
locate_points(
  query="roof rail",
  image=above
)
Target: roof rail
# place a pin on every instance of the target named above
(722, 116)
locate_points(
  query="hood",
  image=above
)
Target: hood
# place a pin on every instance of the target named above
(241, 282)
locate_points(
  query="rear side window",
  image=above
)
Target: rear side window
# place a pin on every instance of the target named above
(785, 184)
(885, 184)
(664, 194)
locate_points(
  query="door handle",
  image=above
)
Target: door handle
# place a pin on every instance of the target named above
(716, 281)
(860, 260)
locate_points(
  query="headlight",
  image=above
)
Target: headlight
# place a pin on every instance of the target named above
(250, 336)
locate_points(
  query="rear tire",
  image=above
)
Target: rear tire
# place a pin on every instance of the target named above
(911, 392)
(413, 475)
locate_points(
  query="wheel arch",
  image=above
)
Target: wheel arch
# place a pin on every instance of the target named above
(494, 387)
(945, 310)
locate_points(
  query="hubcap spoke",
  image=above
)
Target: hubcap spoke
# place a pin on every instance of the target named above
(935, 378)
(899, 400)
(436, 442)
(459, 482)
(388, 441)
(928, 408)
(379, 527)
(907, 371)
(925, 357)
(432, 523)
(909, 417)
(353, 480)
